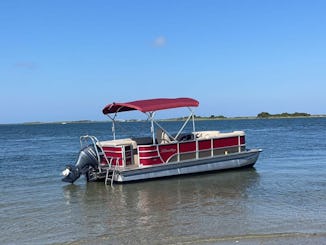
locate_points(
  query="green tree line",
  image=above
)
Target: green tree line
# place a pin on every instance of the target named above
(284, 114)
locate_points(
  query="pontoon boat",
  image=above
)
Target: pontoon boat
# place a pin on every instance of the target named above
(162, 154)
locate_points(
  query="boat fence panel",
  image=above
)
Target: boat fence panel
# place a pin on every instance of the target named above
(189, 150)
(119, 155)
(148, 155)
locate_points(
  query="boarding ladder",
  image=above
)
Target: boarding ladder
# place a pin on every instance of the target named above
(110, 170)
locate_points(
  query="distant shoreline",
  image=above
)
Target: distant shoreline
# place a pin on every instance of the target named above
(219, 118)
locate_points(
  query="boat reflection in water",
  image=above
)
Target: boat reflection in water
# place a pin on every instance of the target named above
(169, 211)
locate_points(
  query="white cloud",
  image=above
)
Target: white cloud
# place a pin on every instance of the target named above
(160, 41)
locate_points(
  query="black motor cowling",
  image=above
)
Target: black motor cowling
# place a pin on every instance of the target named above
(87, 158)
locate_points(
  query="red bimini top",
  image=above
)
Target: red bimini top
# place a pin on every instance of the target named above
(150, 105)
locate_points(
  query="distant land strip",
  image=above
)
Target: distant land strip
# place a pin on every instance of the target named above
(262, 115)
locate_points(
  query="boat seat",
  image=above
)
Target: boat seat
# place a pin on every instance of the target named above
(162, 137)
(185, 137)
(216, 134)
(206, 134)
(119, 142)
(231, 134)
(143, 140)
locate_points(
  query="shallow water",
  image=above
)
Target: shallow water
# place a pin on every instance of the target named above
(285, 193)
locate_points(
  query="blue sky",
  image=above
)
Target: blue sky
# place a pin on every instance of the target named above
(65, 60)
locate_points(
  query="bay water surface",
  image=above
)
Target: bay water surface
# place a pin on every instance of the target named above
(284, 194)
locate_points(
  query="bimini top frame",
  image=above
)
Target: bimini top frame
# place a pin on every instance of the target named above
(149, 107)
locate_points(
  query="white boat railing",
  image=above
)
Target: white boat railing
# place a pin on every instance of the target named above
(195, 151)
(86, 140)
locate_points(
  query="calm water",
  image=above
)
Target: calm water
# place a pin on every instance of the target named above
(285, 193)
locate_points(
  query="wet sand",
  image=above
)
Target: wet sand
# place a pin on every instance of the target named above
(255, 239)
(266, 239)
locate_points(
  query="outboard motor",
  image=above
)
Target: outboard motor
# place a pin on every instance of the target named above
(87, 158)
